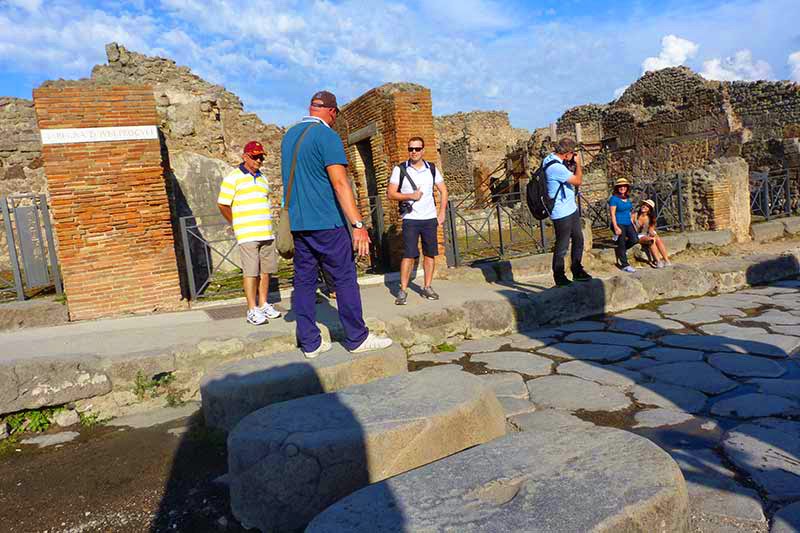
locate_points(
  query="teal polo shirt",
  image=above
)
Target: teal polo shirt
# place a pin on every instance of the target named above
(313, 205)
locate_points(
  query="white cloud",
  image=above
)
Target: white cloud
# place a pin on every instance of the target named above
(794, 66)
(620, 91)
(674, 52)
(28, 5)
(738, 67)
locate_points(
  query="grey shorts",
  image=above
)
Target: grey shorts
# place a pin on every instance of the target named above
(258, 257)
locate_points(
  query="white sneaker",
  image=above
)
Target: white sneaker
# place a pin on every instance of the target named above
(629, 269)
(269, 311)
(256, 317)
(323, 347)
(373, 342)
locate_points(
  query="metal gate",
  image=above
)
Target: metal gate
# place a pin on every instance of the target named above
(31, 247)
(770, 194)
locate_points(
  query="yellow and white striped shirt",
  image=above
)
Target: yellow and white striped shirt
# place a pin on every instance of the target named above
(248, 196)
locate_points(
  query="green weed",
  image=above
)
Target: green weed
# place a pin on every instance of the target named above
(89, 420)
(444, 347)
(35, 420)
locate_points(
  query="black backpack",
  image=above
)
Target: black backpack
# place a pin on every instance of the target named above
(539, 202)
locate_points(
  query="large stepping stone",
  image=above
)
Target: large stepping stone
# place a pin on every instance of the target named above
(755, 405)
(698, 376)
(575, 394)
(670, 397)
(788, 388)
(232, 391)
(787, 520)
(522, 362)
(768, 450)
(613, 339)
(588, 352)
(569, 479)
(673, 355)
(770, 344)
(746, 366)
(604, 375)
(289, 461)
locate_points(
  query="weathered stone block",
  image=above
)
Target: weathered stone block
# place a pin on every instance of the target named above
(487, 318)
(289, 461)
(32, 313)
(767, 231)
(677, 281)
(707, 239)
(231, 392)
(791, 225)
(569, 478)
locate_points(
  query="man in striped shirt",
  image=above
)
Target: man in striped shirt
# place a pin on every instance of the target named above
(244, 202)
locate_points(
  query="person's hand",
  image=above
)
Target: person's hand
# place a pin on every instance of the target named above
(617, 231)
(416, 195)
(361, 241)
(441, 218)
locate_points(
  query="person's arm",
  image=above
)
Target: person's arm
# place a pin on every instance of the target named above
(442, 188)
(394, 194)
(227, 212)
(227, 191)
(577, 177)
(613, 216)
(347, 201)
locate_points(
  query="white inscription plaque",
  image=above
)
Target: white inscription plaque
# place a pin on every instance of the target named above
(93, 135)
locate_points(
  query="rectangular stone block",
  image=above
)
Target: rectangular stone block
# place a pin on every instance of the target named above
(767, 231)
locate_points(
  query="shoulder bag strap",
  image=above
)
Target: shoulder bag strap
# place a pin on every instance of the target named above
(294, 164)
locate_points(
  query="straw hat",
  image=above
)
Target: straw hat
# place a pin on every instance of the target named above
(651, 203)
(620, 182)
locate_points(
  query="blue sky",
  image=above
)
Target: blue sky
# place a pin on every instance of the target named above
(532, 58)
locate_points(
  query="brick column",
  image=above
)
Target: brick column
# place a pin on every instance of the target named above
(108, 199)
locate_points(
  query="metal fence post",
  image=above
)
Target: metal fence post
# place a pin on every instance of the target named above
(498, 211)
(453, 234)
(12, 248)
(51, 245)
(187, 257)
(788, 195)
(381, 230)
(765, 197)
(542, 234)
(681, 222)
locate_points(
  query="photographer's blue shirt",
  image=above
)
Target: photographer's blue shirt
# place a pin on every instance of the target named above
(557, 174)
(623, 213)
(313, 205)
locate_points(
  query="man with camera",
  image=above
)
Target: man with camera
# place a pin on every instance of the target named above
(562, 179)
(411, 184)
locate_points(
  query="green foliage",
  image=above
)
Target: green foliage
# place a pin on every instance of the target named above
(152, 387)
(89, 420)
(36, 420)
(444, 347)
(8, 445)
(174, 397)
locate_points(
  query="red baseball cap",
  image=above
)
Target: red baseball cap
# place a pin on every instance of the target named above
(254, 148)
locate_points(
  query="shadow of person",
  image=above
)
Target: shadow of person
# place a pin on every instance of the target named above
(286, 462)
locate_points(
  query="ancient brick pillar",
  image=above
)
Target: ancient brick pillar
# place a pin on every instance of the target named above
(103, 163)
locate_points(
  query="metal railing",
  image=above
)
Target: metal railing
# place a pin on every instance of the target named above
(31, 245)
(770, 194)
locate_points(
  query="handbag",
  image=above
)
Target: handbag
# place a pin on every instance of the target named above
(284, 241)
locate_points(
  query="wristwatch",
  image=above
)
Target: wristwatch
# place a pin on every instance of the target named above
(358, 225)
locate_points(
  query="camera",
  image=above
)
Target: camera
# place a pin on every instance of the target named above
(404, 207)
(571, 164)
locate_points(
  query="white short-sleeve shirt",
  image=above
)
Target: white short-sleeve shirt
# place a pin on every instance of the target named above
(425, 207)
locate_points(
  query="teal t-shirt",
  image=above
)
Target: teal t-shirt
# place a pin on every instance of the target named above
(623, 214)
(313, 205)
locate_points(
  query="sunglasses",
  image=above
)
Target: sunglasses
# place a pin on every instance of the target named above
(257, 158)
(322, 106)
(416, 148)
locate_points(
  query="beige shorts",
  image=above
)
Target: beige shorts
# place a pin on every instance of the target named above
(258, 257)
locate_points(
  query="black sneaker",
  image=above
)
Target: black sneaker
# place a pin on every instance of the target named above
(429, 293)
(581, 275)
(402, 297)
(562, 280)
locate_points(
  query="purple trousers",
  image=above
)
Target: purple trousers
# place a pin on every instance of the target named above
(333, 250)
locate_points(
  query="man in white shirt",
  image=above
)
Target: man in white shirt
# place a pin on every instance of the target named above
(412, 185)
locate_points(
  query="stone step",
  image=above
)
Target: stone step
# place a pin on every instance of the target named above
(567, 478)
(232, 391)
(289, 461)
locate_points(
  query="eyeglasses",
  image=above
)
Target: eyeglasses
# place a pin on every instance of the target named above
(416, 148)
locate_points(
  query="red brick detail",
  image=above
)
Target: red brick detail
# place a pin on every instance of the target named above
(109, 204)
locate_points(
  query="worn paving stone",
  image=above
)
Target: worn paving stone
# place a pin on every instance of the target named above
(582, 325)
(638, 363)
(522, 341)
(488, 344)
(755, 405)
(523, 362)
(788, 388)
(289, 461)
(698, 376)
(707, 314)
(656, 418)
(770, 344)
(673, 355)
(602, 374)
(545, 420)
(644, 327)
(733, 331)
(787, 520)
(786, 330)
(670, 397)
(595, 479)
(734, 300)
(713, 489)
(155, 417)
(776, 317)
(588, 352)
(676, 308)
(638, 314)
(770, 290)
(574, 394)
(515, 406)
(43, 441)
(612, 339)
(441, 357)
(768, 450)
(746, 366)
(506, 384)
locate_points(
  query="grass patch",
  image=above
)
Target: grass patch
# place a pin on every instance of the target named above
(89, 420)
(443, 347)
(144, 387)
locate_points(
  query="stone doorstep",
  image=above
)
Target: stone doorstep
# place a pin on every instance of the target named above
(767, 231)
(568, 478)
(39, 312)
(234, 390)
(289, 461)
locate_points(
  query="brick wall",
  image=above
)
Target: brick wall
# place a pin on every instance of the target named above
(109, 203)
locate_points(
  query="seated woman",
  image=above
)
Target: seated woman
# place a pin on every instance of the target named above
(621, 208)
(645, 224)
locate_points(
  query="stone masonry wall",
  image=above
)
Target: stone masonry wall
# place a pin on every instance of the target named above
(109, 203)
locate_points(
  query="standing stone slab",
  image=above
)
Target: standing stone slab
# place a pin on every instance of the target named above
(613, 339)
(289, 461)
(698, 376)
(746, 366)
(575, 394)
(768, 450)
(577, 479)
(522, 362)
(755, 405)
(231, 392)
(588, 352)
